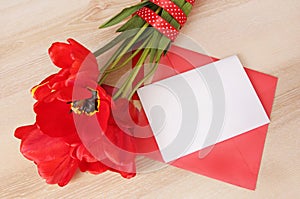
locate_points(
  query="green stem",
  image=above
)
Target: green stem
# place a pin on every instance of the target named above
(124, 51)
(131, 43)
(123, 91)
(126, 86)
(143, 80)
(128, 59)
(111, 59)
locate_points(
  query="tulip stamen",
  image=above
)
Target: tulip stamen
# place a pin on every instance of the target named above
(88, 106)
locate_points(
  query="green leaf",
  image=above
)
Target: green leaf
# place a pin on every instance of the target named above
(170, 19)
(147, 33)
(158, 45)
(133, 23)
(163, 46)
(125, 62)
(187, 8)
(153, 7)
(179, 3)
(116, 54)
(156, 37)
(136, 21)
(124, 14)
(115, 41)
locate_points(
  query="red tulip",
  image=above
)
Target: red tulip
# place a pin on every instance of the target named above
(79, 69)
(74, 126)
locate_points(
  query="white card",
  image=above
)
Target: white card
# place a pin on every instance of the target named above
(201, 107)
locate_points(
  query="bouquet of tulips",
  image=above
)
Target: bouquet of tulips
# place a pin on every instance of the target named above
(80, 124)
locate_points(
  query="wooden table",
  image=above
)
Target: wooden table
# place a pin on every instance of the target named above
(265, 34)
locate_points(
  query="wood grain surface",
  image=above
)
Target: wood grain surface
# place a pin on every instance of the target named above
(265, 34)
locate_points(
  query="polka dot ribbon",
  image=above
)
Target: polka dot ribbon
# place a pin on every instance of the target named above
(190, 1)
(158, 22)
(161, 24)
(172, 9)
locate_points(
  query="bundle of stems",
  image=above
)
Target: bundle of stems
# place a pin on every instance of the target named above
(138, 37)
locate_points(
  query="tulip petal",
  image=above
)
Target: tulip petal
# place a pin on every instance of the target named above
(52, 155)
(61, 55)
(93, 168)
(55, 119)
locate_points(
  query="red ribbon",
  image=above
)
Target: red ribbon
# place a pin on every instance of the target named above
(161, 24)
(190, 1)
(172, 9)
(158, 23)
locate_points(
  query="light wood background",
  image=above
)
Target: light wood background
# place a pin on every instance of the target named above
(264, 33)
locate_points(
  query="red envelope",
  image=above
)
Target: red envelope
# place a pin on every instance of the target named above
(235, 161)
